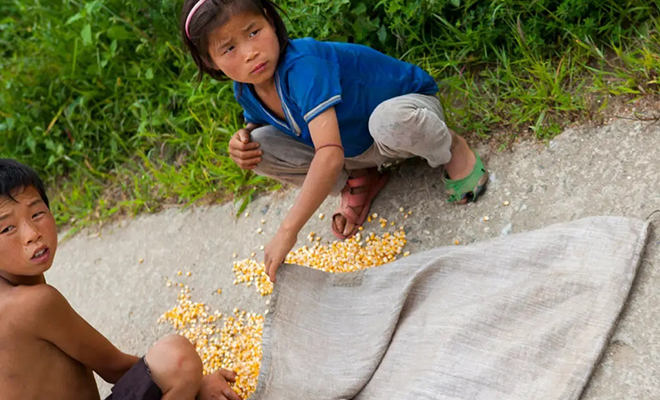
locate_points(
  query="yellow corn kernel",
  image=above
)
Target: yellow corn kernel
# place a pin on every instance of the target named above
(237, 344)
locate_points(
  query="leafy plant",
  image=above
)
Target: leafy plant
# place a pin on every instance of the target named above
(100, 97)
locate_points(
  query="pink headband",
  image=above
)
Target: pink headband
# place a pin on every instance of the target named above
(192, 12)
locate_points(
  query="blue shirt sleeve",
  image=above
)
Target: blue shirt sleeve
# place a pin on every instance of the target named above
(314, 85)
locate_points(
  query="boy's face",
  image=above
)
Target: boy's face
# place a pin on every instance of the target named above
(246, 49)
(28, 235)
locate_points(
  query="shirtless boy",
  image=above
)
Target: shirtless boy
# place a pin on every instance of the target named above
(47, 351)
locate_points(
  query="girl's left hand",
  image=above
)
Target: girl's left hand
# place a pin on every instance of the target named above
(276, 252)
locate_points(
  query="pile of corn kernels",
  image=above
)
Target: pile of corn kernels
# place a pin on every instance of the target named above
(237, 345)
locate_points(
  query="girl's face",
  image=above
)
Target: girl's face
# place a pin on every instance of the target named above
(246, 49)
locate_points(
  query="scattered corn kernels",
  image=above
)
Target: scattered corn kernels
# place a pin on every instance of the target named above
(236, 346)
(179, 273)
(253, 272)
(506, 203)
(247, 214)
(321, 216)
(259, 230)
(349, 255)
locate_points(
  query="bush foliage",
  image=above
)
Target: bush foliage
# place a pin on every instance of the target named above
(101, 92)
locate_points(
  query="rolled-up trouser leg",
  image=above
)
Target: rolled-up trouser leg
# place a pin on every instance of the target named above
(411, 125)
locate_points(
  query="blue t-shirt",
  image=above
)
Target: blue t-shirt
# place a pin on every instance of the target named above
(355, 79)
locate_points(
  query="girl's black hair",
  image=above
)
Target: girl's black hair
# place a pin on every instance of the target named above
(215, 13)
(14, 175)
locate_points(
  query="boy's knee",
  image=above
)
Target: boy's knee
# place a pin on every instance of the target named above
(174, 362)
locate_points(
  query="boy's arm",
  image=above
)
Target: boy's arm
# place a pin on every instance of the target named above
(321, 178)
(54, 320)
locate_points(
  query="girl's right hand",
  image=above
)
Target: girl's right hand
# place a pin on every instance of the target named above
(244, 152)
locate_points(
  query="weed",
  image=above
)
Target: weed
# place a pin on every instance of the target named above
(101, 99)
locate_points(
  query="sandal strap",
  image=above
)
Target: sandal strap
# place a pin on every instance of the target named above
(457, 189)
(349, 200)
(361, 181)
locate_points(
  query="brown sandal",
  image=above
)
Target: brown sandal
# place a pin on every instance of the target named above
(374, 181)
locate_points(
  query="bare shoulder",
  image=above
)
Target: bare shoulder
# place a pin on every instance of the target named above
(30, 305)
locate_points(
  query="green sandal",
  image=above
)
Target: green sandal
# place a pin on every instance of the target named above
(470, 187)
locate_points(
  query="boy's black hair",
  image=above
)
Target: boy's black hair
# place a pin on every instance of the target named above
(215, 13)
(14, 175)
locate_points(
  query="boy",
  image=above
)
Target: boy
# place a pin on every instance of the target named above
(47, 351)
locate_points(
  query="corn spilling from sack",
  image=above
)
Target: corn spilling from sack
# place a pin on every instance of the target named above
(236, 345)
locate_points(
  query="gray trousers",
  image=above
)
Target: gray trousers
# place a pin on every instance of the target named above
(402, 127)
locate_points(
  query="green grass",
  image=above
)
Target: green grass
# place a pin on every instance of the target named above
(101, 99)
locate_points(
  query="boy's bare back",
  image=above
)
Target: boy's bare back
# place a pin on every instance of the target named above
(30, 366)
(47, 350)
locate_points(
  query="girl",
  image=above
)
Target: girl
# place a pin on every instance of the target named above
(322, 115)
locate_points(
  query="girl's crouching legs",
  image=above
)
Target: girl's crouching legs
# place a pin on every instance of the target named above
(175, 367)
(285, 159)
(413, 125)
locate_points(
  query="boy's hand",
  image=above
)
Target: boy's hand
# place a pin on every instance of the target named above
(244, 152)
(215, 386)
(276, 252)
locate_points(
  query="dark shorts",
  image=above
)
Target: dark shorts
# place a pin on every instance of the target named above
(136, 384)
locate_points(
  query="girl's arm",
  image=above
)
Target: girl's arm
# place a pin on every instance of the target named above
(321, 178)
